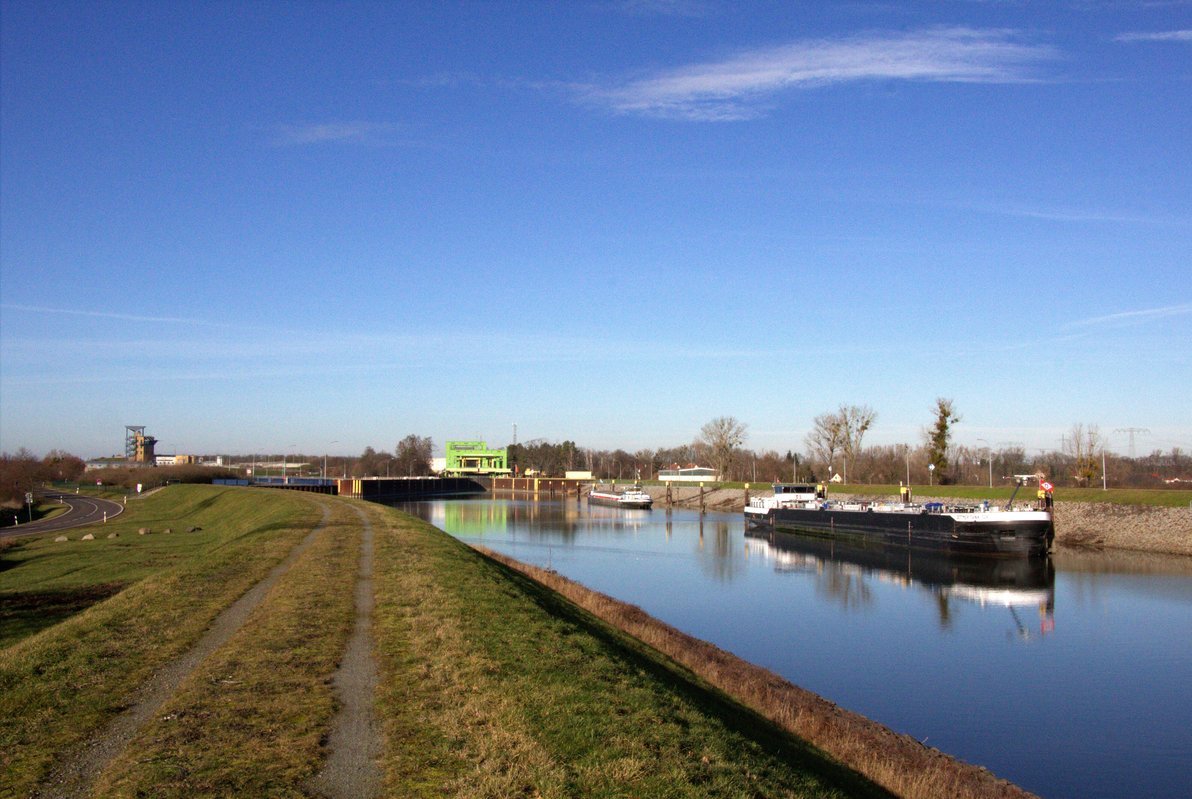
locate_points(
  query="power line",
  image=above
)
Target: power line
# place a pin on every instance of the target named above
(1132, 431)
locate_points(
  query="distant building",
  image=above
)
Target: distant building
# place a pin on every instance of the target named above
(176, 460)
(688, 474)
(113, 462)
(475, 458)
(138, 447)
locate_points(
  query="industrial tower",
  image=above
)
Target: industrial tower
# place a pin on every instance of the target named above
(138, 447)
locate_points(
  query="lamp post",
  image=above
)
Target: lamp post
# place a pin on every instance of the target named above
(325, 459)
(988, 457)
(931, 474)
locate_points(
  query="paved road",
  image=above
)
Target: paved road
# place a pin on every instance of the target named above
(83, 510)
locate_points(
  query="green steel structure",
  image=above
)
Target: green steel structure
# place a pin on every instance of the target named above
(475, 458)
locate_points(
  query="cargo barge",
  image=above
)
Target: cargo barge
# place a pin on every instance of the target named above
(632, 497)
(981, 529)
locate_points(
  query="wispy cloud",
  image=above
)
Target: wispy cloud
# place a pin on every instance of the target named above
(740, 87)
(37, 309)
(666, 8)
(1155, 36)
(342, 132)
(1130, 318)
(1079, 215)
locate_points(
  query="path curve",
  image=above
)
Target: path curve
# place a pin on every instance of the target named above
(351, 770)
(84, 510)
(76, 772)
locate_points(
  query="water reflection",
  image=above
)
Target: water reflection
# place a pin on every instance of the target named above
(843, 573)
(929, 645)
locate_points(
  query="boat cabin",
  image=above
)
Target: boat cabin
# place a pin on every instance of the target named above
(803, 492)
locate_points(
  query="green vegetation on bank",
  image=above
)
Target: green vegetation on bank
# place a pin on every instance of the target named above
(491, 685)
(495, 686)
(60, 685)
(1170, 498)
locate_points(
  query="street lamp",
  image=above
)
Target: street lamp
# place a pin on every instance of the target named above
(988, 457)
(325, 459)
(930, 474)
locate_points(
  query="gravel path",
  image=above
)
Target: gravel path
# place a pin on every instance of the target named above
(351, 770)
(75, 774)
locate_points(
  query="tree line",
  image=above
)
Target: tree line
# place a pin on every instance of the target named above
(833, 446)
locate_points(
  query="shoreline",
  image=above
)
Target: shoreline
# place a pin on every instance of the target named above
(895, 761)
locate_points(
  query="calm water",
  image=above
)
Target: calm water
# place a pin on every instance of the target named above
(1071, 677)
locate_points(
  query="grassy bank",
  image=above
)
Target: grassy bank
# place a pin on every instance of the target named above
(162, 590)
(492, 685)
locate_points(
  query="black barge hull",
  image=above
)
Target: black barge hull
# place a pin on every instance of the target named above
(935, 532)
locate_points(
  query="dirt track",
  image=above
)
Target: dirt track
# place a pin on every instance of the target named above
(351, 770)
(74, 775)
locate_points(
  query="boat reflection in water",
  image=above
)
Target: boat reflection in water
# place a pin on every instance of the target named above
(1020, 585)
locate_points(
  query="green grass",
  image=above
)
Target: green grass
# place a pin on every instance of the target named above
(1115, 496)
(61, 684)
(491, 685)
(1171, 498)
(250, 721)
(495, 686)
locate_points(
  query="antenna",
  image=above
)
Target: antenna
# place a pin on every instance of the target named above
(1131, 431)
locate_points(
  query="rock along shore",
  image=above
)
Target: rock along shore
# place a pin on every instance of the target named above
(1096, 525)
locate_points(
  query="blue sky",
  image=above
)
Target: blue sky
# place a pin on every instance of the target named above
(273, 227)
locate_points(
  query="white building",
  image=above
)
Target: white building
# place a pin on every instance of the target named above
(690, 474)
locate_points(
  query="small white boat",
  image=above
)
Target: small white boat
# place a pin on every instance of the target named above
(632, 497)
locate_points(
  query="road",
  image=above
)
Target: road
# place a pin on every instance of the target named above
(83, 510)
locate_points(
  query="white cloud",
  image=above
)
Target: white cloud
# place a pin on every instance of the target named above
(1129, 318)
(321, 132)
(37, 309)
(1155, 36)
(739, 87)
(666, 8)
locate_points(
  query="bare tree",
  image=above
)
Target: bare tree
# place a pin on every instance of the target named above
(855, 421)
(1084, 444)
(722, 437)
(826, 437)
(413, 456)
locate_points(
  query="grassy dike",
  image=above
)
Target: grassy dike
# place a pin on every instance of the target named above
(492, 685)
(62, 684)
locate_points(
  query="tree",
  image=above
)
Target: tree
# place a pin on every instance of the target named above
(825, 437)
(62, 466)
(855, 421)
(940, 436)
(18, 474)
(413, 456)
(1084, 444)
(722, 437)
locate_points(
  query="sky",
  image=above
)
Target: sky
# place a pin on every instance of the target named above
(315, 227)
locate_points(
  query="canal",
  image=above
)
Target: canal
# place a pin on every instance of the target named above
(1071, 677)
